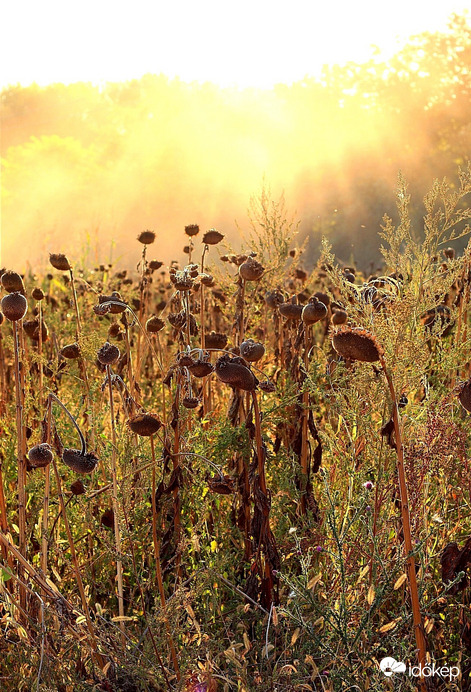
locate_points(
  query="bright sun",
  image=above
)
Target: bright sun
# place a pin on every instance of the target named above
(248, 43)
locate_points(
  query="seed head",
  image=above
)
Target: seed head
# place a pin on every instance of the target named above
(233, 371)
(31, 328)
(154, 324)
(356, 344)
(191, 402)
(14, 306)
(146, 237)
(201, 368)
(212, 237)
(78, 462)
(144, 424)
(339, 317)
(38, 294)
(313, 311)
(215, 340)
(251, 270)
(71, 351)
(252, 350)
(40, 455)
(59, 261)
(77, 487)
(192, 229)
(12, 282)
(464, 395)
(291, 310)
(108, 354)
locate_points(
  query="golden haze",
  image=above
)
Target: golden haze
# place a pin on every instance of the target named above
(83, 166)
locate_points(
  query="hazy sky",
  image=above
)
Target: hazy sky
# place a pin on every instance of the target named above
(244, 43)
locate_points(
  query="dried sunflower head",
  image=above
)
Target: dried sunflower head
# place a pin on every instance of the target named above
(353, 343)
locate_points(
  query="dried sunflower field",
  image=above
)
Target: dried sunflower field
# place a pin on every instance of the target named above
(240, 473)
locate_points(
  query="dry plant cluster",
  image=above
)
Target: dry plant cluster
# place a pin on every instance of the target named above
(237, 474)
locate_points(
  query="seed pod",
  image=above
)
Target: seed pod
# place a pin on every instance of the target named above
(108, 354)
(31, 328)
(191, 402)
(38, 294)
(233, 371)
(449, 253)
(154, 324)
(251, 270)
(40, 455)
(291, 310)
(12, 282)
(252, 350)
(154, 265)
(71, 351)
(192, 229)
(144, 424)
(215, 340)
(313, 311)
(59, 261)
(14, 306)
(201, 368)
(356, 344)
(78, 462)
(212, 237)
(339, 317)
(464, 395)
(146, 237)
(77, 487)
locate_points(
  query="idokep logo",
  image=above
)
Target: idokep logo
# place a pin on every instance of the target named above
(389, 666)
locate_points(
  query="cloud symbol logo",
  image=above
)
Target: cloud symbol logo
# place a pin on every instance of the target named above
(389, 666)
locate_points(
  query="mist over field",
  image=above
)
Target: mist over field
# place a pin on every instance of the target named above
(85, 168)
